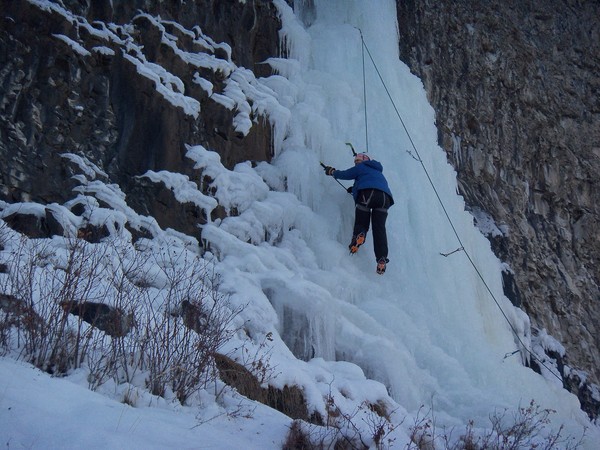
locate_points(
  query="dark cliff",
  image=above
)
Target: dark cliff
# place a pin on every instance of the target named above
(516, 89)
(70, 84)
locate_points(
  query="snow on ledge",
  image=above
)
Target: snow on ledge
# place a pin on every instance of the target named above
(185, 191)
(77, 48)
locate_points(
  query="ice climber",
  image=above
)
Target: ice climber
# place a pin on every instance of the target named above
(372, 197)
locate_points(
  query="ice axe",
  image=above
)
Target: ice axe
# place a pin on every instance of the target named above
(352, 148)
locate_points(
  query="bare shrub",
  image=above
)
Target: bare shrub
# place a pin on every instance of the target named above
(379, 425)
(422, 432)
(524, 429)
(117, 356)
(374, 416)
(121, 355)
(6, 319)
(42, 280)
(367, 426)
(305, 436)
(259, 360)
(48, 277)
(101, 362)
(527, 427)
(298, 438)
(179, 349)
(57, 330)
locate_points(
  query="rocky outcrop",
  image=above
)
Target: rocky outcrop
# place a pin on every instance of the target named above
(74, 79)
(289, 400)
(113, 321)
(516, 90)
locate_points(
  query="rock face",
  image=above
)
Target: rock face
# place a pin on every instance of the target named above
(516, 89)
(69, 83)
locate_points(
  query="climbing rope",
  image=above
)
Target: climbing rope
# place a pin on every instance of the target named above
(462, 247)
(364, 91)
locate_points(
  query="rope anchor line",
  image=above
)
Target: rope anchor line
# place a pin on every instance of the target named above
(462, 247)
(413, 156)
(509, 354)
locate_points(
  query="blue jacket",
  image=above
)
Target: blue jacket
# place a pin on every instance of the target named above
(367, 174)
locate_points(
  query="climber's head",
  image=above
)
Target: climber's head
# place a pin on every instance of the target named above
(361, 157)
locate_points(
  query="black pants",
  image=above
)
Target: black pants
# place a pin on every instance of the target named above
(372, 206)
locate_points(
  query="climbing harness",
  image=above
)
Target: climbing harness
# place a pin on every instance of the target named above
(420, 160)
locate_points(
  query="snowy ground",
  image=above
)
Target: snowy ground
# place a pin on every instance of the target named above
(41, 412)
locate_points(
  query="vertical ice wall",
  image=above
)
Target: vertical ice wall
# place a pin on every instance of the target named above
(428, 329)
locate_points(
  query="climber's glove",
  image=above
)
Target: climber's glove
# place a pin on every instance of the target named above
(329, 170)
